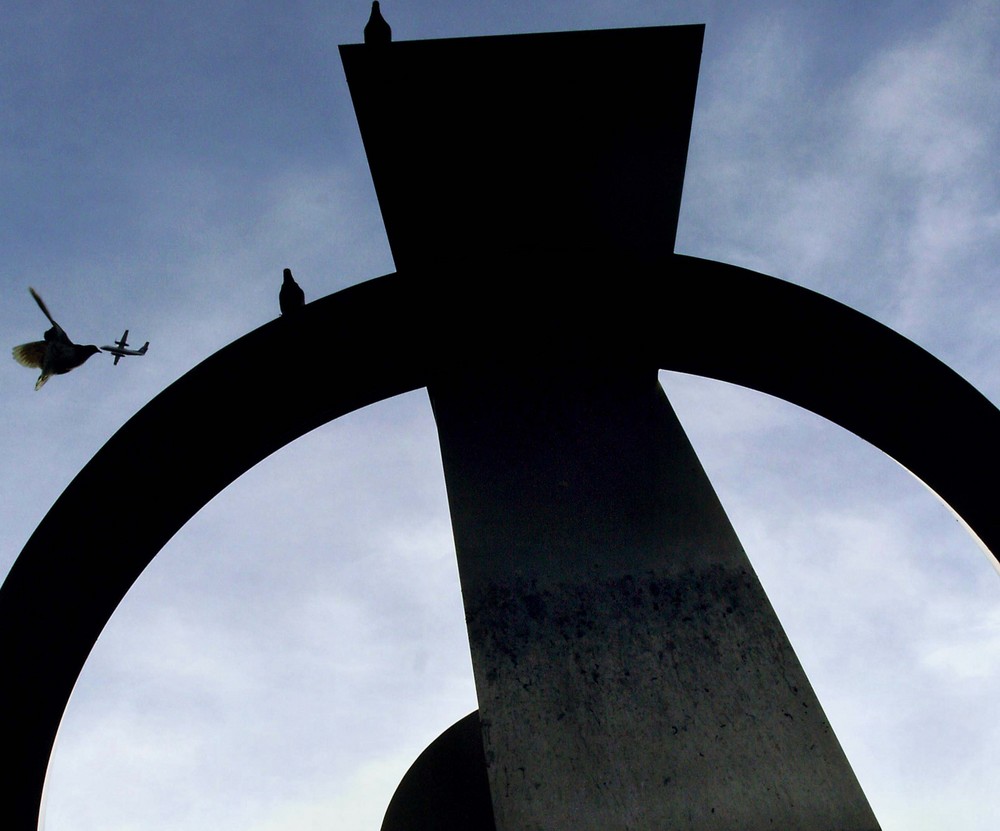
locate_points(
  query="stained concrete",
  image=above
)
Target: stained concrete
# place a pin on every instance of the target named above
(631, 672)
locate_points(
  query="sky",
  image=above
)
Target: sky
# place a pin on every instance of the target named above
(296, 645)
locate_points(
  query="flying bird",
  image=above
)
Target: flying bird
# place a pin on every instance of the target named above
(376, 29)
(56, 355)
(291, 298)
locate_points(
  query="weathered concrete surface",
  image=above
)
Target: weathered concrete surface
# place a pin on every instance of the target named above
(630, 670)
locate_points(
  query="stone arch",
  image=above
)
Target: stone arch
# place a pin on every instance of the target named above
(398, 333)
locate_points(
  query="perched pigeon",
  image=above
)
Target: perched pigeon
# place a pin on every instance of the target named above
(376, 29)
(291, 298)
(56, 355)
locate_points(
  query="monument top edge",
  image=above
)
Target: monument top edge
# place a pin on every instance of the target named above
(690, 32)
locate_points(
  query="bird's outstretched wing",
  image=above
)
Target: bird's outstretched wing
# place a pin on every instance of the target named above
(31, 355)
(42, 306)
(56, 332)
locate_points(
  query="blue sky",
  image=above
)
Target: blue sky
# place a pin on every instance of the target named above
(291, 651)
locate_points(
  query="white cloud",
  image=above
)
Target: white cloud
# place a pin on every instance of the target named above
(359, 802)
(969, 650)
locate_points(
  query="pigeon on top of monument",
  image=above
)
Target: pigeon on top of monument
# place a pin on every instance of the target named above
(56, 355)
(376, 29)
(291, 298)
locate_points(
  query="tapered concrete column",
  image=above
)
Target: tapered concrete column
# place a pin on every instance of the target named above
(631, 673)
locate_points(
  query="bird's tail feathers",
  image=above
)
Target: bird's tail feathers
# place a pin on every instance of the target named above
(41, 305)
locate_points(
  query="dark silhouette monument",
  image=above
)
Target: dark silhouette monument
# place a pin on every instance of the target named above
(630, 670)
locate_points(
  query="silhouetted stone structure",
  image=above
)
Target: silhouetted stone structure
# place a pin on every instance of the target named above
(630, 671)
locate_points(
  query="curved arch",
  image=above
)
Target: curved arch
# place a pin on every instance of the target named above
(399, 332)
(812, 351)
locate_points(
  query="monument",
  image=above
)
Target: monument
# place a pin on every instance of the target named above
(630, 670)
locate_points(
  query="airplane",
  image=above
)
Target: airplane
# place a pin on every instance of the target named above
(119, 350)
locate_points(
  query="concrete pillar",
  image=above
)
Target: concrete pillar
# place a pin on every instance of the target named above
(631, 672)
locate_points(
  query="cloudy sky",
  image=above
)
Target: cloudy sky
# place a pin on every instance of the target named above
(298, 643)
